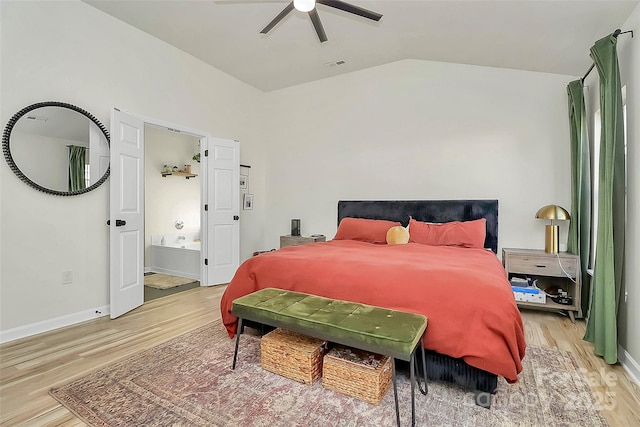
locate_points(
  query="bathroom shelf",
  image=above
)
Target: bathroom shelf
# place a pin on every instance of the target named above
(186, 175)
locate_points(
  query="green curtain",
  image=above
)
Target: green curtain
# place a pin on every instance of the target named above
(76, 167)
(607, 275)
(579, 238)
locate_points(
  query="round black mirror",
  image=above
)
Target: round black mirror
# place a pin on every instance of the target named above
(57, 148)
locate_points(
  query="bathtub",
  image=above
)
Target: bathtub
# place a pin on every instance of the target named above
(176, 257)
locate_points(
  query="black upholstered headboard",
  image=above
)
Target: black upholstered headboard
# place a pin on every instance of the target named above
(426, 210)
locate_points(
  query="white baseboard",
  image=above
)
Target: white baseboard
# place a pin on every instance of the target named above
(51, 324)
(629, 364)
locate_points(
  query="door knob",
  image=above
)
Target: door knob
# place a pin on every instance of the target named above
(119, 222)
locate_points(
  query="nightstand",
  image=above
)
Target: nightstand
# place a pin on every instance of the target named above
(290, 240)
(561, 269)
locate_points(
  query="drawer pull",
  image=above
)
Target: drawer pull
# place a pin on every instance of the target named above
(541, 266)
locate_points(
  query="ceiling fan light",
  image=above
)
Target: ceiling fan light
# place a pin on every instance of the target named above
(304, 5)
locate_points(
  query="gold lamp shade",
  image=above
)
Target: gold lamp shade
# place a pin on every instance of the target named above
(552, 212)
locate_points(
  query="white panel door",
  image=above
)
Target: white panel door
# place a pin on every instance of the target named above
(126, 217)
(223, 214)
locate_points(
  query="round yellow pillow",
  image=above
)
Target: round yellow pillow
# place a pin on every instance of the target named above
(397, 235)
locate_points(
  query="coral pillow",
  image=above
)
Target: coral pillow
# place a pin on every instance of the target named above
(467, 234)
(397, 235)
(365, 230)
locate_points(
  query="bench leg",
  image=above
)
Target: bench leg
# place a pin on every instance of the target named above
(238, 333)
(412, 377)
(424, 371)
(395, 389)
(413, 391)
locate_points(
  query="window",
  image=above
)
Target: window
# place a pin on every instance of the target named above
(626, 159)
(595, 178)
(624, 124)
(597, 126)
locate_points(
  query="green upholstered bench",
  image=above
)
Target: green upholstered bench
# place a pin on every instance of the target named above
(379, 330)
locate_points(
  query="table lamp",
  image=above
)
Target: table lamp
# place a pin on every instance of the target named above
(552, 230)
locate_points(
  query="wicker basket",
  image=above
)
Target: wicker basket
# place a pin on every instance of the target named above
(292, 355)
(357, 373)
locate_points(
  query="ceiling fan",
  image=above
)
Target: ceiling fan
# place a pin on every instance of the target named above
(309, 6)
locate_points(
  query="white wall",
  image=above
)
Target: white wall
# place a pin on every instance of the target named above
(171, 198)
(629, 314)
(69, 51)
(420, 130)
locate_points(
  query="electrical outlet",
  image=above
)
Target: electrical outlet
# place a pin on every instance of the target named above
(67, 277)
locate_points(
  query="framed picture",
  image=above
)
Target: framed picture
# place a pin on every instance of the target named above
(247, 202)
(244, 182)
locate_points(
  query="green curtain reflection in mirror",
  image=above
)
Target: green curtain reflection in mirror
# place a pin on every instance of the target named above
(77, 157)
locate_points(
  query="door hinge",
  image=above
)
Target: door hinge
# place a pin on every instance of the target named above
(206, 153)
(206, 261)
(206, 207)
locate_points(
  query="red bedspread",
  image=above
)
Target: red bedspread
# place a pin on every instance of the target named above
(463, 292)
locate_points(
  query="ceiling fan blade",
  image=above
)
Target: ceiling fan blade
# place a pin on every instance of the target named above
(278, 18)
(315, 18)
(365, 13)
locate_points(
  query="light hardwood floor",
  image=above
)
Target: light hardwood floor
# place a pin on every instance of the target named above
(30, 367)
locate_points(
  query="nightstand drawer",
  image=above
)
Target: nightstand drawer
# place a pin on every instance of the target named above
(543, 266)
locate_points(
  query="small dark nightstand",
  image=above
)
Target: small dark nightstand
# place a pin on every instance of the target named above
(290, 240)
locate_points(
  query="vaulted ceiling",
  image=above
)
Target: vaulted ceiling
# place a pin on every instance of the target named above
(546, 36)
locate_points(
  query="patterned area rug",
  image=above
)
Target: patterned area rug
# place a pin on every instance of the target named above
(188, 381)
(165, 281)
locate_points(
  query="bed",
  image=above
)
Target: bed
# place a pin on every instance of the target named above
(475, 331)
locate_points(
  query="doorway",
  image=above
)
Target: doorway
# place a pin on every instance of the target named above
(172, 235)
(219, 208)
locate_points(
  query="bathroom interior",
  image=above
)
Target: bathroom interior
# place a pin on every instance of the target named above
(172, 212)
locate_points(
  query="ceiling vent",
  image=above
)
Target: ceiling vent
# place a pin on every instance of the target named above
(335, 63)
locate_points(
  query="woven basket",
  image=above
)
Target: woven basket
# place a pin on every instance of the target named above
(357, 373)
(292, 355)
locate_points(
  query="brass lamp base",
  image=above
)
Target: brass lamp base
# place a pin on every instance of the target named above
(551, 239)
